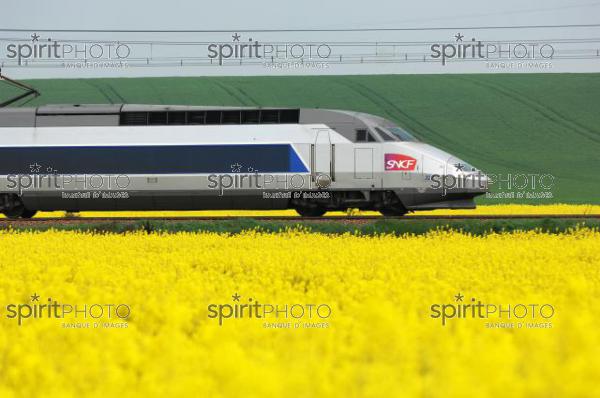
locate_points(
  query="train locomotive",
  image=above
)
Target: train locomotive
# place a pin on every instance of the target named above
(156, 157)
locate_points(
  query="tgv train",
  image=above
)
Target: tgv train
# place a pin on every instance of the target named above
(150, 157)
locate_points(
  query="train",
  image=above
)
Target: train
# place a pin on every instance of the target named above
(166, 157)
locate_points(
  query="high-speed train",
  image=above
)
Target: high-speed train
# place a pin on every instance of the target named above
(155, 157)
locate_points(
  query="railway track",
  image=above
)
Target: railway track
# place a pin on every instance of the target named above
(84, 220)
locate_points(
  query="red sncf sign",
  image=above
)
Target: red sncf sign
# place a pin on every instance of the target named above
(395, 161)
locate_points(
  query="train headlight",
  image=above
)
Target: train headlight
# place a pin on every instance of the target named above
(323, 180)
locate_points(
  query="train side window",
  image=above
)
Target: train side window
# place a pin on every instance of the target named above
(363, 135)
(269, 116)
(213, 117)
(157, 118)
(384, 136)
(230, 117)
(176, 118)
(196, 117)
(134, 118)
(289, 116)
(250, 117)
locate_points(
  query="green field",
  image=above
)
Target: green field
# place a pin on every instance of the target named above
(519, 123)
(402, 227)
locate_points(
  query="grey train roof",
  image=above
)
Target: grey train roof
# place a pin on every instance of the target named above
(115, 115)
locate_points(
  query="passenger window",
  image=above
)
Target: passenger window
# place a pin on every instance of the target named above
(230, 117)
(176, 118)
(213, 117)
(269, 116)
(157, 118)
(196, 117)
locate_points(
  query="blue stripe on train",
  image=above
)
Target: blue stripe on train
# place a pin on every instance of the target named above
(167, 159)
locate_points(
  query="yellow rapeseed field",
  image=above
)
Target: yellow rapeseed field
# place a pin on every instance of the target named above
(378, 340)
(506, 209)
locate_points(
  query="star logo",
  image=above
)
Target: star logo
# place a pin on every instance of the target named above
(35, 297)
(35, 168)
(35, 37)
(236, 37)
(459, 166)
(459, 297)
(236, 297)
(459, 37)
(236, 168)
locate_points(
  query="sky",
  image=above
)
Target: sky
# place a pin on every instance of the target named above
(419, 26)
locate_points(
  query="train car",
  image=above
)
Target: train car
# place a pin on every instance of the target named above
(155, 157)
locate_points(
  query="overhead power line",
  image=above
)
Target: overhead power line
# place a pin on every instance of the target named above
(431, 28)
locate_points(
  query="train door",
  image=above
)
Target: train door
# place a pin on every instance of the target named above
(367, 161)
(363, 163)
(323, 152)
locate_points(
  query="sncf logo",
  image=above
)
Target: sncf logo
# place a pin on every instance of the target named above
(395, 161)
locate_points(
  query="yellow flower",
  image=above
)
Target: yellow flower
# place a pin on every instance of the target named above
(380, 341)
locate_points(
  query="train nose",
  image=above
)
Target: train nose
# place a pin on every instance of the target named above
(463, 177)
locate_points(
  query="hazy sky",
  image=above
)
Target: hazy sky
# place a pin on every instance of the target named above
(230, 16)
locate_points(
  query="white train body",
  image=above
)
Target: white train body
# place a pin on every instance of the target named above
(172, 158)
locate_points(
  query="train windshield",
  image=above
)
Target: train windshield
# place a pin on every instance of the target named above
(464, 166)
(402, 134)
